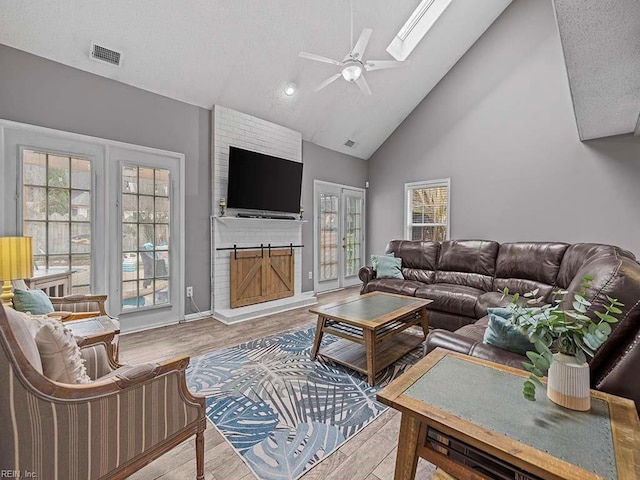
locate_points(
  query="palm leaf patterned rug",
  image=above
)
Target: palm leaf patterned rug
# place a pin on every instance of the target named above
(281, 411)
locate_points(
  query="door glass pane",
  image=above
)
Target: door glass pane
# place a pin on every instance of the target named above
(145, 237)
(56, 212)
(352, 240)
(328, 236)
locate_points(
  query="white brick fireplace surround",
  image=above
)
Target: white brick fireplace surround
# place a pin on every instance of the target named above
(232, 128)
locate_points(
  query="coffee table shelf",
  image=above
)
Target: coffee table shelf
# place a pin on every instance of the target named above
(354, 355)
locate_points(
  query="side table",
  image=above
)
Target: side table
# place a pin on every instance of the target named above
(468, 417)
(94, 325)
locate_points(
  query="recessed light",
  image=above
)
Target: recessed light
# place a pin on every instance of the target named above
(290, 89)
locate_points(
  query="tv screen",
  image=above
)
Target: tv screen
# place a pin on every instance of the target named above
(262, 182)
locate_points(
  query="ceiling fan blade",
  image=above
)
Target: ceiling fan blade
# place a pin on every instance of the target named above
(364, 86)
(382, 64)
(318, 58)
(328, 81)
(361, 44)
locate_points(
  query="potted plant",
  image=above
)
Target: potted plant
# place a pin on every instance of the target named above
(563, 336)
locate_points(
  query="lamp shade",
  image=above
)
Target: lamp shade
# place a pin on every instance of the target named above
(16, 258)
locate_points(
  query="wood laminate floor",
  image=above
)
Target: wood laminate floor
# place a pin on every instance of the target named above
(370, 455)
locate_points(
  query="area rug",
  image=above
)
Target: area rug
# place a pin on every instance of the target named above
(282, 412)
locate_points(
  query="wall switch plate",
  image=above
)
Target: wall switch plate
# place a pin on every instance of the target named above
(310, 275)
(189, 292)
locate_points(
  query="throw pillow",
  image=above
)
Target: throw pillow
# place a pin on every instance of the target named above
(388, 267)
(503, 334)
(59, 352)
(35, 302)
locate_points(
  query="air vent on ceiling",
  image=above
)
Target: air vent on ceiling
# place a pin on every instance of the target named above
(349, 143)
(107, 55)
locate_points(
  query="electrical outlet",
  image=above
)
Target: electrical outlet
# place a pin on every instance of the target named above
(189, 292)
(310, 275)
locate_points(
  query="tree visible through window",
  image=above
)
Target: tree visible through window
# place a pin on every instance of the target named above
(56, 212)
(427, 210)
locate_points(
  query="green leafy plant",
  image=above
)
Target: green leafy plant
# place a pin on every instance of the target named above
(560, 327)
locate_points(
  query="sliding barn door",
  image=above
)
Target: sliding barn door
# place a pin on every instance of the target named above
(260, 276)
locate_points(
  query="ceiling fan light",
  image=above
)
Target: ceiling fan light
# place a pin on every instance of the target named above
(352, 72)
(290, 89)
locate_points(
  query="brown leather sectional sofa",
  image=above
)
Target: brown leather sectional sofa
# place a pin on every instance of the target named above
(463, 277)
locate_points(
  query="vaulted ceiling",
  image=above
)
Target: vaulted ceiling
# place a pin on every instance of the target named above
(241, 54)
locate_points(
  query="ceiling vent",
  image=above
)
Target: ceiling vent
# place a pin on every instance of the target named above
(349, 143)
(107, 55)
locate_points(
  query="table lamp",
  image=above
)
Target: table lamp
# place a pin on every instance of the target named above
(16, 263)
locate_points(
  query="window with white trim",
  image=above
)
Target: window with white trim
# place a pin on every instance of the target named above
(427, 210)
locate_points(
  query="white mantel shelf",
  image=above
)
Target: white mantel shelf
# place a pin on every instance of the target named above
(248, 221)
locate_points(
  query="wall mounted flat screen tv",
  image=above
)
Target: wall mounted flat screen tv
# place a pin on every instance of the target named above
(262, 182)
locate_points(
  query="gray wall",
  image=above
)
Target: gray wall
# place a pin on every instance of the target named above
(323, 164)
(42, 92)
(501, 125)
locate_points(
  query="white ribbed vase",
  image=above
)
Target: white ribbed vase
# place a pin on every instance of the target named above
(568, 383)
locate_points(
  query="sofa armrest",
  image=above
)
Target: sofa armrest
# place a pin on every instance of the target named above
(366, 274)
(469, 346)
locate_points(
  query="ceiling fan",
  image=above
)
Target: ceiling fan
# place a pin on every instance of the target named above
(353, 65)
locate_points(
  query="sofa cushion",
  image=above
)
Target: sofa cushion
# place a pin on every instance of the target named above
(447, 321)
(537, 261)
(419, 259)
(467, 262)
(468, 340)
(392, 285)
(495, 299)
(450, 298)
(580, 253)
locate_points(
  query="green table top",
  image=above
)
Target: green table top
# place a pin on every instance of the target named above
(368, 308)
(492, 399)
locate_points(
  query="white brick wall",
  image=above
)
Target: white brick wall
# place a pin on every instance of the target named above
(232, 128)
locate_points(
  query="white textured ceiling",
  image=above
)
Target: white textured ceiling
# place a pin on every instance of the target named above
(601, 44)
(241, 53)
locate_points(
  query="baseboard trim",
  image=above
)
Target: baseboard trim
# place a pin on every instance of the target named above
(230, 316)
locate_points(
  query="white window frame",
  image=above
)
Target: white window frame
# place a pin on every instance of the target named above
(408, 224)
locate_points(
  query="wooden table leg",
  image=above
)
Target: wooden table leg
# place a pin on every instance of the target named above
(424, 321)
(407, 457)
(318, 337)
(370, 348)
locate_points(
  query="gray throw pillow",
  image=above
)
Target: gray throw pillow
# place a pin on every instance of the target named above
(387, 267)
(503, 334)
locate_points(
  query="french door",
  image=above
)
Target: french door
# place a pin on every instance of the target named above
(112, 213)
(339, 235)
(146, 278)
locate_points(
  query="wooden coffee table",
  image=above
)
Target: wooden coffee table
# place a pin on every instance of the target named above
(372, 330)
